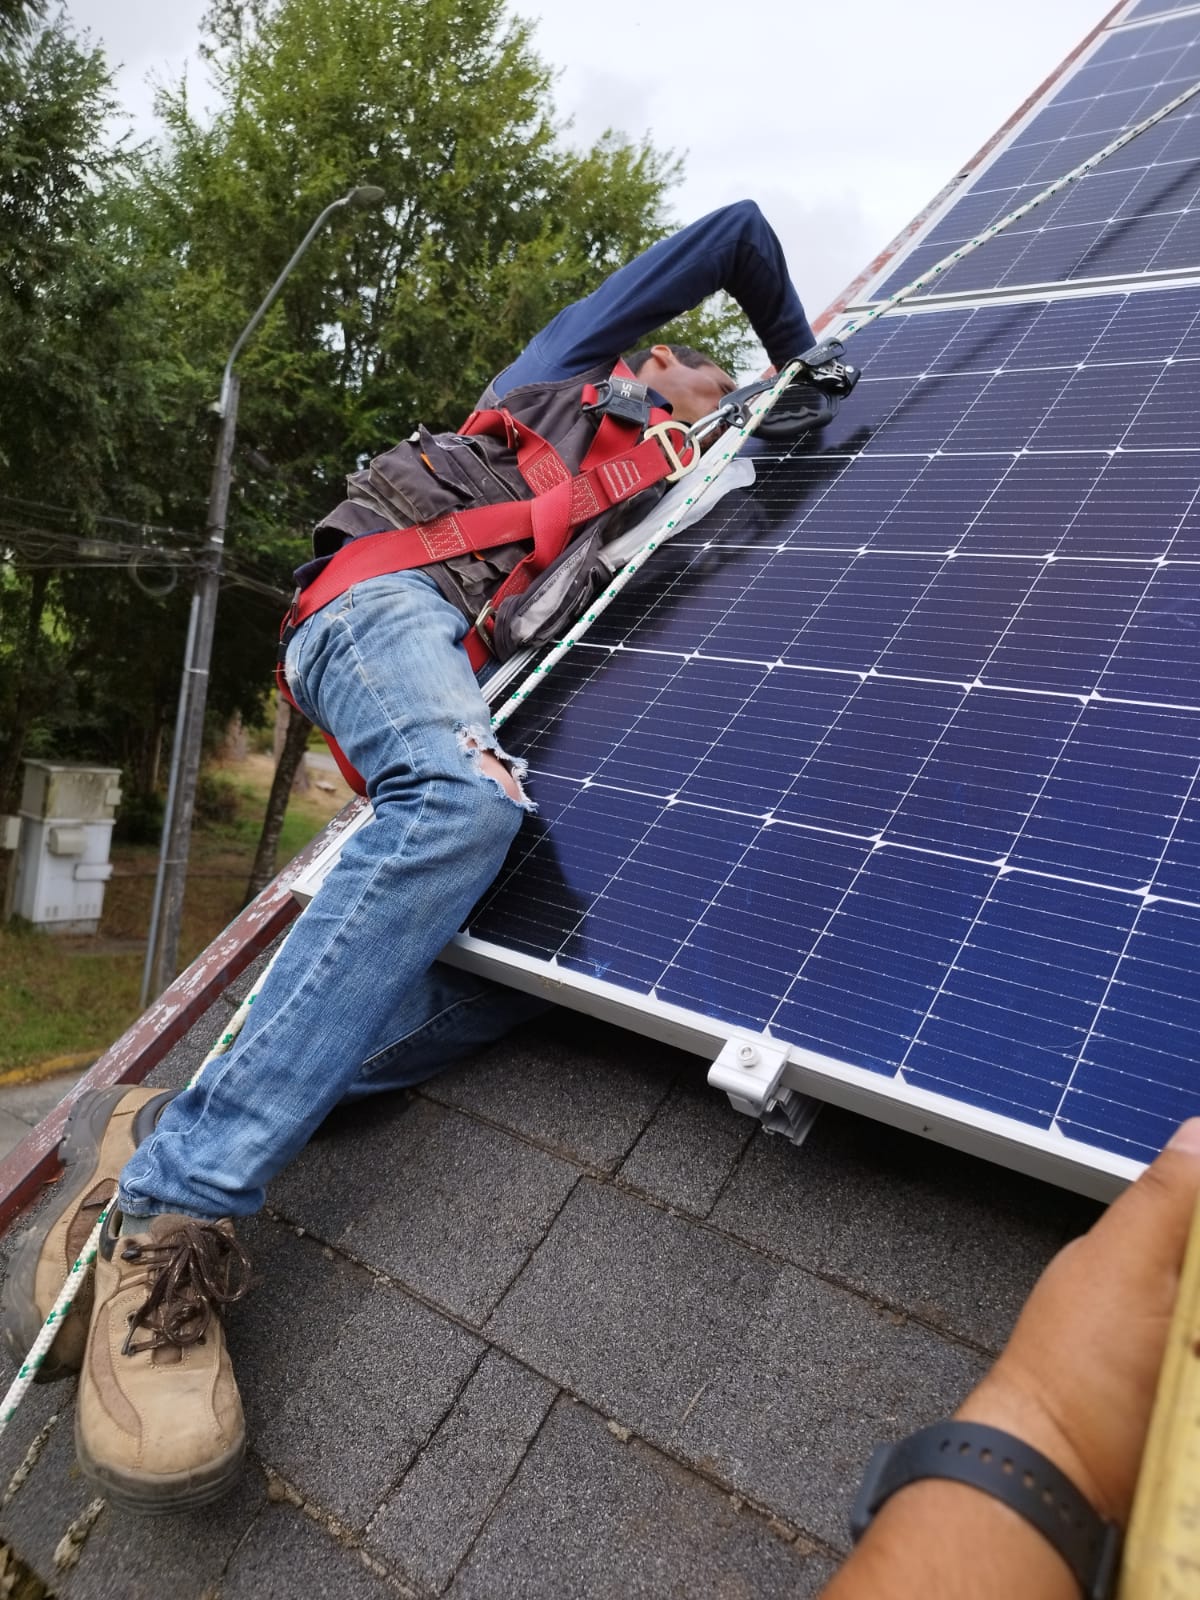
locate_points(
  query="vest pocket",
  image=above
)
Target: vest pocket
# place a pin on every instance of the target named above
(554, 599)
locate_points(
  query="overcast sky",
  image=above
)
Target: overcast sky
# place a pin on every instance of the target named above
(841, 119)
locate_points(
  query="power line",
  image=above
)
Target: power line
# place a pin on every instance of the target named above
(139, 526)
(55, 549)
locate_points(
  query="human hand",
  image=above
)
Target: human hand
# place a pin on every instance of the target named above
(1077, 1378)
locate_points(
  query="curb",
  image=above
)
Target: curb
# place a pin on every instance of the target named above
(37, 1071)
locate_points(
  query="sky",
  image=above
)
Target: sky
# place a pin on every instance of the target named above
(842, 120)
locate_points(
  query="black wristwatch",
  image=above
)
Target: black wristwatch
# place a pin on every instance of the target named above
(1010, 1471)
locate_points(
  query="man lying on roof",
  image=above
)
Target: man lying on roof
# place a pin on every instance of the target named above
(356, 1003)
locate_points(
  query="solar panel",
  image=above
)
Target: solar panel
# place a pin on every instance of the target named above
(1138, 212)
(900, 761)
(893, 765)
(903, 763)
(1154, 8)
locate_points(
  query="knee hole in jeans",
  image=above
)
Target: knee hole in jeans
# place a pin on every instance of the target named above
(505, 771)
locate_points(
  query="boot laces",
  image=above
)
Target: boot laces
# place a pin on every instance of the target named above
(190, 1273)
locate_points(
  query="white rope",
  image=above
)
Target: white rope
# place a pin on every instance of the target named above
(37, 1353)
(20, 1385)
(990, 233)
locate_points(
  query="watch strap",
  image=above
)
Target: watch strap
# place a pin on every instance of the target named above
(1011, 1471)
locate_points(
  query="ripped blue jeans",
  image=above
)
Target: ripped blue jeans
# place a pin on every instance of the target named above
(355, 1003)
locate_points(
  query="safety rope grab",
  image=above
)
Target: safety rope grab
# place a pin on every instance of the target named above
(37, 1353)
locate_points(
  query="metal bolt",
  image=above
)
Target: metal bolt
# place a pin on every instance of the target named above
(747, 1055)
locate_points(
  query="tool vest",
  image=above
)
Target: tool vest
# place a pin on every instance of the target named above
(508, 515)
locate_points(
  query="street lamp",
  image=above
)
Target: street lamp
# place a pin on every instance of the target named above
(162, 949)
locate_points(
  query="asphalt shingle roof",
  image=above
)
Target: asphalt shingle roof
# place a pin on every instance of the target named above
(562, 1324)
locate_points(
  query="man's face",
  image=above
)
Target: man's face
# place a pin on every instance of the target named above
(693, 392)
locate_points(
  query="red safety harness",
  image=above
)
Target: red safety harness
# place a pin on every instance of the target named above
(619, 464)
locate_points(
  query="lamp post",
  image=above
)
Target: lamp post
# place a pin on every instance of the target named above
(162, 947)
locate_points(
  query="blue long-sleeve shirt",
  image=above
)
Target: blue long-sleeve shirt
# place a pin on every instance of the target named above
(734, 249)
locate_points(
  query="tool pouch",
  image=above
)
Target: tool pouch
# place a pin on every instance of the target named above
(554, 600)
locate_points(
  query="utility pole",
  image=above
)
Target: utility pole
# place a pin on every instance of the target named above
(162, 946)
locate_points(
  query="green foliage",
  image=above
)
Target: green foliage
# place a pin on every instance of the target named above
(216, 798)
(127, 273)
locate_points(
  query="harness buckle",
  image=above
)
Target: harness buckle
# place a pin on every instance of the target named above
(287, 629)
(624, 399)
(661, 432)
(480, 625)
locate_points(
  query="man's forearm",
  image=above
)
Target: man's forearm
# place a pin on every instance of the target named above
(946, 1541)
(939, 1540)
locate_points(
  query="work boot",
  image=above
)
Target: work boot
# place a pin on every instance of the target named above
(158, 1422)
(103, 1129)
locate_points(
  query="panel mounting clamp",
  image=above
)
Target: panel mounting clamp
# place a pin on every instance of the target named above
(750, 1073)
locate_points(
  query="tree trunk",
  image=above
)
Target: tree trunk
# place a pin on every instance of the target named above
(290, 757)
(301, 782)
(14, 749)
(234, 744)
(10, 758)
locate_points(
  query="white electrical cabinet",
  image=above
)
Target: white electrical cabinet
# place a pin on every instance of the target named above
(62, 864)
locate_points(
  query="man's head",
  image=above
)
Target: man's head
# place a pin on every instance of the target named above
(692, 383)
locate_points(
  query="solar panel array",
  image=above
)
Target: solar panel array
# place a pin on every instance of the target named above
(1154, 8)
(898, 759)
(1137, 212)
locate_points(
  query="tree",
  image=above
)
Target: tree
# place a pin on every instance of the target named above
(55, 97)
(491, 224)
(126, 274)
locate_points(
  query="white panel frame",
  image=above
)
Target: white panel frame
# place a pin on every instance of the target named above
(1049, 1156)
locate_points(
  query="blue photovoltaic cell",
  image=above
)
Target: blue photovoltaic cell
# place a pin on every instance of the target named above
(1154, 8)
(1139, 211)
(898, 756)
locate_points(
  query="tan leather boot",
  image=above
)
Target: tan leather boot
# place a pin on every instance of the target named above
(103, 1129)
(158, 1423)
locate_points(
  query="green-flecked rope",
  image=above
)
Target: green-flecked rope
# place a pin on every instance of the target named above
(989, 233)
(37, 1353)
(82, 1265)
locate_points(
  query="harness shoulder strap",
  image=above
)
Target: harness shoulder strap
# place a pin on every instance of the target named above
(618, 465)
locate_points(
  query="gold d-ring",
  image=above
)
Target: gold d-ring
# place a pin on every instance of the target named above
(662, 431)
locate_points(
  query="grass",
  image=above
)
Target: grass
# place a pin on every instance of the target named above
(66, 994)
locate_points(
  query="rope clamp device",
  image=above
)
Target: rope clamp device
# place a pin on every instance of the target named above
(824, 367)
(662, 432)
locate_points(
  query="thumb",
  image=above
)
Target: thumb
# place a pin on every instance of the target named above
(1152, 1219)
